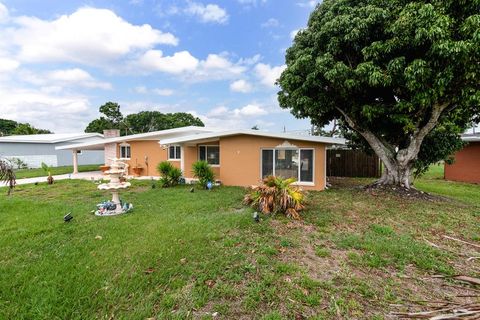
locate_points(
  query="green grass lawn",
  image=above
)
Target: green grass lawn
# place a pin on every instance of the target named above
(183, 255)
(433, 182)
(39, 172)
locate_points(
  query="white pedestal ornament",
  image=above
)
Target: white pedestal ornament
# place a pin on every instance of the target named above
(114, 207)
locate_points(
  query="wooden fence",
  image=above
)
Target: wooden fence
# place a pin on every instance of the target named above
(352, 163)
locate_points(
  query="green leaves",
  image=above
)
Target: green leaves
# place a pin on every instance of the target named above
(386, 64)
(141, 122)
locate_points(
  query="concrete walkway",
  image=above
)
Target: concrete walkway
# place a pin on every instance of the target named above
(90, 175)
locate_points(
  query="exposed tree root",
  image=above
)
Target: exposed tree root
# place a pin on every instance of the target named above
(401, 191)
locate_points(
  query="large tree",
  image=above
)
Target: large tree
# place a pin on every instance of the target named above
(143, 121)
(147, 121)
(392, 70)
(10, 127)
(112, 118)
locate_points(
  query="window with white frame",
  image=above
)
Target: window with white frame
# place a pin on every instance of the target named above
(125, 151)
(174, 153)
(211, 154)
(288, 163)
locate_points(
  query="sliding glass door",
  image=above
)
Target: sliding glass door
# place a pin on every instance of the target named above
(288, 163)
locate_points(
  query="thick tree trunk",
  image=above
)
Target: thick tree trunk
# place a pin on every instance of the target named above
(398, 164)
(398, 175)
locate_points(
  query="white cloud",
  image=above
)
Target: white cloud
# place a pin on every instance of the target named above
(141, 89)
(207, 13)
(89, 35)
(271, 23)
(78, 77)
(4, 15)
(250, 61)
(7, 64)
(45, 110)
(157, 91)
(218, 112)
(268, 75)
(189, 68)
(244, 117)
(250, 110)
(308, 3)
(217, 67)
(294, 33)
(60, 78)
(241, 85)
(153, 60)
(163, 92)
(252, 2)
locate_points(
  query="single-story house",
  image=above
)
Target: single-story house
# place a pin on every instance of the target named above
(238, 157)
(466, 165)
(38, 148)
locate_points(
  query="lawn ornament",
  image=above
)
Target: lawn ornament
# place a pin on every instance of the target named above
(117, 182)
(209, 185)
(256, 216)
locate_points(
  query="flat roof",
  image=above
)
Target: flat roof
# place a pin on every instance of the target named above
(48, 137)
(471, 137)
(216, 135)
(155, 135)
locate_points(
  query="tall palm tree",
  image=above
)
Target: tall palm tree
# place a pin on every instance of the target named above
(7, 175)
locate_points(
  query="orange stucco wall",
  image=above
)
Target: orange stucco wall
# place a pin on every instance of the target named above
(466, 166)
(150, 148)
(240, 159)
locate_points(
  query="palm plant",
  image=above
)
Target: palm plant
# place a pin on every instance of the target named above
(7, 175)
(48, 170)
(203, 172)
(276, 195)
(170, 176)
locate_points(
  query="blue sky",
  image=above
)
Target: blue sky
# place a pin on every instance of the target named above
(60, 60)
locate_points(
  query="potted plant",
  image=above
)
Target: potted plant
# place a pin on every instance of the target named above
(104, 168)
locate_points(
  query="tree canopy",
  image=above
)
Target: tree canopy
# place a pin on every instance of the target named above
(10, 127)
(400, 74)
(143, 121)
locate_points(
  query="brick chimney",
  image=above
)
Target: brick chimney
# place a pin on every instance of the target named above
(110, 148)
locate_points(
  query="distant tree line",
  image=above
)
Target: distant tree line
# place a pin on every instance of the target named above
(143, 121)
(10, 127)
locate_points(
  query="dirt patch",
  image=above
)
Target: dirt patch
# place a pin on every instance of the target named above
(403, 192)
(369, 187)
(393, 291)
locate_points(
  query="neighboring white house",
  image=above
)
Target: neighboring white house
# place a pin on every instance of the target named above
(38, 148)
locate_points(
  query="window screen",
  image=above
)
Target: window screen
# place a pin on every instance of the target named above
(286, 163)
(267, 163)
(306, 165)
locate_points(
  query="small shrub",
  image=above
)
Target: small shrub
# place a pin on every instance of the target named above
(170, 176)
(7, 174)
(18, 163)
(276, 195)
(48, 171)
(203, 172)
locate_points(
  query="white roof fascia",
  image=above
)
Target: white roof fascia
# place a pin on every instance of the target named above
(139, 136)
(55, 138)
(471, 138)
(286, 136)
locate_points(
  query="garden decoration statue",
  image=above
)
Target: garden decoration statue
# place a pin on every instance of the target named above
(115, 206)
